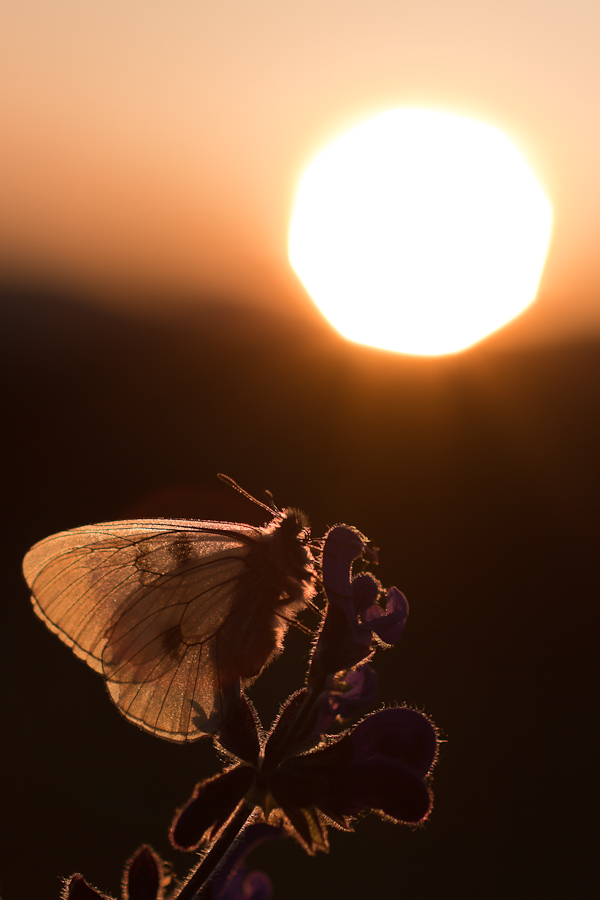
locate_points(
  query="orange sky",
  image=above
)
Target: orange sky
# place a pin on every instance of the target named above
(159, 144)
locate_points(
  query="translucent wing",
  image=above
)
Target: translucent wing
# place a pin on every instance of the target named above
(149, 604)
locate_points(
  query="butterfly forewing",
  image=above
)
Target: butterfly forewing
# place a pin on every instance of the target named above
(165, 609)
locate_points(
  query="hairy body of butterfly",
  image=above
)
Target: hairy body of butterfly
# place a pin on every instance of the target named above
(174, 613)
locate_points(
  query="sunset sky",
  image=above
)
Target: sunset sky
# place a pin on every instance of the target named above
(154, 334)
(152, 147)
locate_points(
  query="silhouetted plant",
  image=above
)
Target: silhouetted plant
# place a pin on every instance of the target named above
(324, 762)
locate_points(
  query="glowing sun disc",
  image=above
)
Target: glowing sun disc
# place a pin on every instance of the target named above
(420, 232)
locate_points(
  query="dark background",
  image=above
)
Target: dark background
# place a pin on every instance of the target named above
(475, 474)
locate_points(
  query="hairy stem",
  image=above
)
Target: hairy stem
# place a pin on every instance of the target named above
(200, 877)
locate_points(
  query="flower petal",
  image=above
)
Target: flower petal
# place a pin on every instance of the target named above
(400, 734)
(342, 644)
(211, 805)
(143, 876)
(239, 734)
(291, 730)
(353, 612)
(243, 885)
(350, 694)
(77, 888)
(388, 625)
(256, 886)
(365, 591)
(342, 546)
(308, 827)
(388, 787)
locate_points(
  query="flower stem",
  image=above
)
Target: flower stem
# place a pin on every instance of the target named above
(200, 877)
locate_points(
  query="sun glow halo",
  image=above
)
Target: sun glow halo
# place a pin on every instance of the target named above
(420, 232)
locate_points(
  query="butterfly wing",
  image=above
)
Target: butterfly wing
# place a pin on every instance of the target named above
(144, 602)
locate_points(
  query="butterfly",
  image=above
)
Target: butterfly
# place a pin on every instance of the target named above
(174, 613)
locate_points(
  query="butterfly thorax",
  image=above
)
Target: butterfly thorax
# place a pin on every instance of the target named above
(283, 557)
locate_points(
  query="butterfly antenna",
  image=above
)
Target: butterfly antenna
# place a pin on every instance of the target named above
(236, 487)
(272, 503)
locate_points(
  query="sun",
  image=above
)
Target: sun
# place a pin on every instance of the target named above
(420, 232)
